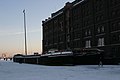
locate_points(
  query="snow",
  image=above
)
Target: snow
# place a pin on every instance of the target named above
(15, 71)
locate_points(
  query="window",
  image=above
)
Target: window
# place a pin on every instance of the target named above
(88, 44)
(102, 29)
(119, 24)
(99, 7)
(97, 18)
(88, 32)
(98, 29)
(119, 37)
(101, 17)
(101, 42)
(61, 26)
(68, 38)
(113, 13)
(86, 23)
(113, 28)
(112, 2)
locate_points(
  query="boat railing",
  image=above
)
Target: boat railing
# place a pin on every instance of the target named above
(87, 51)
(58, 53)
(67, 52)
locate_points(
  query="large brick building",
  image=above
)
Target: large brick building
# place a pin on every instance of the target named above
(84, 24)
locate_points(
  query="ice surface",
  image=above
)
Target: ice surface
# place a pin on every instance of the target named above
(15, 71)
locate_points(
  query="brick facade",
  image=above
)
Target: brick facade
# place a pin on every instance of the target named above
(84, 24)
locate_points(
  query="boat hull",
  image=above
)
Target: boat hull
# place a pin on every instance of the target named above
(59, 59)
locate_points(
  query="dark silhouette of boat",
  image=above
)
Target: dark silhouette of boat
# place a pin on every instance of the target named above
(67, 57)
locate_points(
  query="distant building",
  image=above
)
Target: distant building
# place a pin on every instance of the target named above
(84, 24)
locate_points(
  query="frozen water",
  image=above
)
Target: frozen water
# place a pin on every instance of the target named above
(15, 71)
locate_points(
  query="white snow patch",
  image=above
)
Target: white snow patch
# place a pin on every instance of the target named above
(15, 71)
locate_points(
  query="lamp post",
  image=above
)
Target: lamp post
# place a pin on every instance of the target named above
(25, 32)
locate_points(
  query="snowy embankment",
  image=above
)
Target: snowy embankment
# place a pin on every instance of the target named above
(15, 71)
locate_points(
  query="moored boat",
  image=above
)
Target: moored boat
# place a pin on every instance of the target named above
(68, 57)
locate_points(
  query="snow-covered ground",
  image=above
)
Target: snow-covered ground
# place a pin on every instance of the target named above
(15, 71)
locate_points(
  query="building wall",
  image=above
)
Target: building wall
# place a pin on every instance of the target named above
(85, 24)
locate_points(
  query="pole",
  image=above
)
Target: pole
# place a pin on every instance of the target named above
(25, 33)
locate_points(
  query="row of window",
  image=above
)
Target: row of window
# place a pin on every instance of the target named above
(115, 51)
(87, 21)
(114, 2)
(100, 29)
(99, 5)
(99, 43)
(115, 25)
(87, 32)
(76, 44)
(115, 38)
(77, 35)
(114, 12)
(88, 44)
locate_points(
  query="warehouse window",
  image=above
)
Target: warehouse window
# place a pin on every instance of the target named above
(113, 13)
(119, 37)
(102, 29)
(88, 44)
(101, 42)
(98, 29)
(89, 32)
(61, 26)
(86, 32)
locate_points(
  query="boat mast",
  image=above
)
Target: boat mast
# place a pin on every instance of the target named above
(25, 32)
